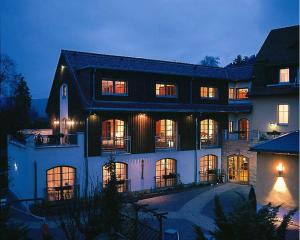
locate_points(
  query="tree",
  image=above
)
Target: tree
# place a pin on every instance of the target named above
(7, 76)
(246, 223)
(22, 104)
(242, 61)
(210, 61)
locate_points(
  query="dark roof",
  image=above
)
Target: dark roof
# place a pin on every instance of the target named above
(81, 60)
(275, 89)
(167, 107)
(287, 143)
(281, 46)
(239, 73)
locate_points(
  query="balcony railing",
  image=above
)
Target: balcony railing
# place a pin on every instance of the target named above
(209, 140)
(166, 142)
(212, 176)
(55, 140)
(62, 192)
(123, 185)
(251, 136)
(169, 180)
(116, 144)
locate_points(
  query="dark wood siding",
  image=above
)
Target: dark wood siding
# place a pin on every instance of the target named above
(94, 135)
(142, 130)
(186, 131)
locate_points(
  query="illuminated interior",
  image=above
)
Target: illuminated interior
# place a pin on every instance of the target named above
(121, 175)
(284, 75)
(238, 168)
(165, 173)
(60, 183)
(208, 164)
(113, 133)
(114, 87)
(165, 133)
(243, 129)
(208, 92)
(165, 90)
(209, 132)
(283, 113)
(242, 93)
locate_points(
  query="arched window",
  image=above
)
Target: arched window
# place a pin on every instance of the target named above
(166, 173)
(208, 132)
(165, 133)
(238, 168)
(243, 129)
(121, 175)
(61, 183)
(208, 167)
(113, 134)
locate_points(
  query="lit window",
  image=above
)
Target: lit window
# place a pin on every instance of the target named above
(230, 126)
(165, 133)
(284, 75)
(113, 134)
(121, 175)
(111, 87)
(242, 93)
(283, 114)
(208, 92)
(165, 173)
(208, 132)
(61, 183)
(165, 90)
(208, 165)
(231, 93)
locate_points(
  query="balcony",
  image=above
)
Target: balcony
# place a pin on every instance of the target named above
(55, 140)
(207, 141)
(166, 143)
(252, 137)
(116, 144)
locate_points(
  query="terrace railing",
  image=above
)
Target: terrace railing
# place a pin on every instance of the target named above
(209, 140)
(55, 140)
(61, 192)
(166, 142)
(165, 181)
(116, 144)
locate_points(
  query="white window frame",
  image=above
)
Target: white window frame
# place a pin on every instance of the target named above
(165, 85)
(283, 112)
(288, 75)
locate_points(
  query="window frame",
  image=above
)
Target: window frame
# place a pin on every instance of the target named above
(288, 73)
(166, 96)
(230, 126)
(208, 91)
(278, 114)
(237, 93)
(114, 87)
(233, 93)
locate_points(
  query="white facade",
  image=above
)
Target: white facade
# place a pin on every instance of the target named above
(29, 165)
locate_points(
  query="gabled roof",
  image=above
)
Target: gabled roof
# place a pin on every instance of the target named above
(81, 60)
(281, 46)
(239, 73)
(287, 143)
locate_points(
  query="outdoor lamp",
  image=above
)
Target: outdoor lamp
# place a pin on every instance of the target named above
(280, 169)
(273, 125)
(55, 122)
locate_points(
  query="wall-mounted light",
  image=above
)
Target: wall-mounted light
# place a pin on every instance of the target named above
(272, 125)
(70, 123)
(55, 122)
(62, 67)
(141, 115)
(280, 169)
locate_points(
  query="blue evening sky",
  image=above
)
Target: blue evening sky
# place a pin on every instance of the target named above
(34, 31)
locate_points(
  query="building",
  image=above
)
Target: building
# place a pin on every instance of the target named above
(277, 170)
(165, 123)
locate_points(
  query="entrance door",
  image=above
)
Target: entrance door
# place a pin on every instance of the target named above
(238, 169)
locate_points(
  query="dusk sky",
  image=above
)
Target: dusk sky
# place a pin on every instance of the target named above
(34, 31)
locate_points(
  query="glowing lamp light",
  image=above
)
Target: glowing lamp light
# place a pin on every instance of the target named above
(273, 125)
(62, 67)
(280, 169)
(141, 115)
(70, 122)
(55, 122)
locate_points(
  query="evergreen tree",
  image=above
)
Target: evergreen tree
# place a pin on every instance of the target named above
(210, 61)
(22, 104)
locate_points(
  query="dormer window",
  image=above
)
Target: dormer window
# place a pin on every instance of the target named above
(114, 87)
(242, 93)
(284, 75)
(165, 90)
(208, 92)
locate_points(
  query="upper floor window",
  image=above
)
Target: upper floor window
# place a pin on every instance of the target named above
(242, 93)
(283, 113)
(230, 126)
(284, 75)
(64, 90)
(165, 90)
(114, 87)
(231, 93)
(208, 92)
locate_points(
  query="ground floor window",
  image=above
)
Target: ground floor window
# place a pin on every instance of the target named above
(165, 173)
(208, 167)
(61, 183)
(121, 175)
(238, 168)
